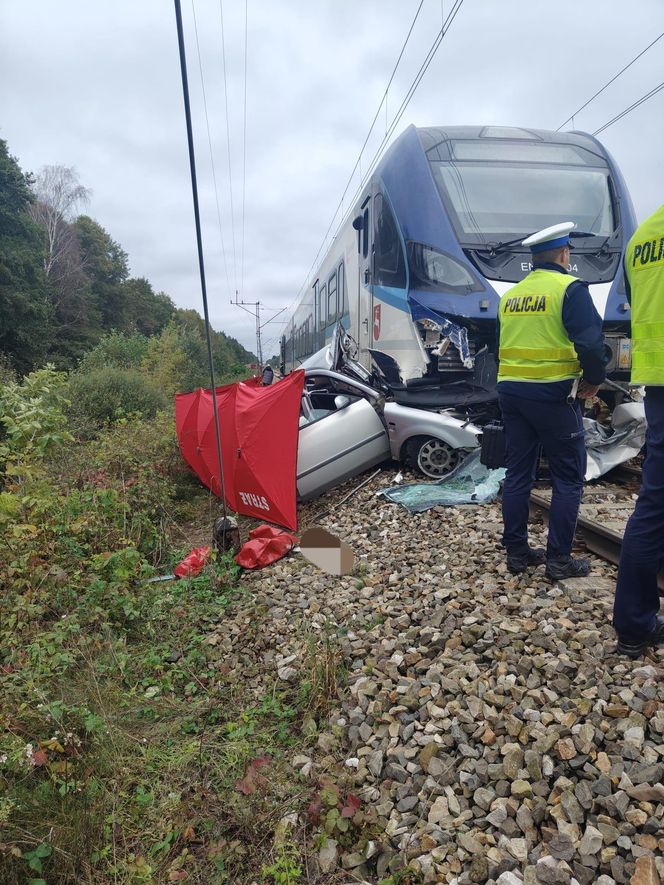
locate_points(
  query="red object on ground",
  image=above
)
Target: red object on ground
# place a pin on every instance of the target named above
(259, 432)
(266, 546)
(193, 563)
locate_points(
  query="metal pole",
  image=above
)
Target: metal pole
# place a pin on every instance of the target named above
(259, 349)
(199, 241)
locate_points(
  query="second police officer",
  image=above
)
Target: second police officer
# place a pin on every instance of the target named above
(550, 344)
(635, 613)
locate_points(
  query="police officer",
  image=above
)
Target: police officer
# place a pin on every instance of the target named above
(636, 605)
(551, 349)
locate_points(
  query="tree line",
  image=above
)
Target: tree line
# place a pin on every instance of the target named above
(65, 289)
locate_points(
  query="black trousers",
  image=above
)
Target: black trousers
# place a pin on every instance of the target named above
(637, 598)
(558, 428)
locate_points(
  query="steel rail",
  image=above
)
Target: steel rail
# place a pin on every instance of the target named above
(625, 473)
(598, 538)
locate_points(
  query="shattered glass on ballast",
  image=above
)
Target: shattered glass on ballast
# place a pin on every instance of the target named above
(469, 483)
(622, 440)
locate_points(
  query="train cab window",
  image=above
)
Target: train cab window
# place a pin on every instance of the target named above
(323, 305)
(332, 297)
(389, 265)
(343, 302)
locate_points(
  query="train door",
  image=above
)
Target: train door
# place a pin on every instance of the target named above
(364, 301)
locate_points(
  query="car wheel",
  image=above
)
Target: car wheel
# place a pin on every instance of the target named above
(432, 457)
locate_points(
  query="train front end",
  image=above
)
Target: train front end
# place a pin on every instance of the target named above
(464, 198)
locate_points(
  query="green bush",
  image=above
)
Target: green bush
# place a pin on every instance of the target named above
(32, 421)
(116, 349)
(107, 394)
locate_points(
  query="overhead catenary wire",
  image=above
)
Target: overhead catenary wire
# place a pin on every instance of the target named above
(628, 110)
(207, 124)
(244, 140)
(609, 82)
(411, 91)
(228, 140)
(416, 82)
(366, 140)
(199, 243)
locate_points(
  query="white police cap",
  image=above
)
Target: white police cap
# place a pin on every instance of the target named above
(550, 238)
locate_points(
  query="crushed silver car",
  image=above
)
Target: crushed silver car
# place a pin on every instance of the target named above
(347, 425)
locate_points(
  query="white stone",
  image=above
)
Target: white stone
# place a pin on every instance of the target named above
(328, 856)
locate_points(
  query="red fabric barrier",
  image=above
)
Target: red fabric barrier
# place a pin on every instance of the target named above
(259, 433)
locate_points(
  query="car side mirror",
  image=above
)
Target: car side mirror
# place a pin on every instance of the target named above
(341, 401)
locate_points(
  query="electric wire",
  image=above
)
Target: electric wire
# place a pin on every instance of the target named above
(359, 158)
(382, 101)
(199, 242)
(411, 91)
(207, 124)
(244, 142)
(416, 82)
(628, 110)
(395, 122)
(609, 82)
(228, 140)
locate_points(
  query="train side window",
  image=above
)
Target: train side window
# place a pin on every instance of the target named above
(332, 297)
(343, 302)
(323, 305)
(389, 264)
(365, 232)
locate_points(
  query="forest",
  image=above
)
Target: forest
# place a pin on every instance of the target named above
(65, 287)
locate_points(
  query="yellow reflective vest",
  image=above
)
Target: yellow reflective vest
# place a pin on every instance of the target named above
(534, 345)
(644, 266)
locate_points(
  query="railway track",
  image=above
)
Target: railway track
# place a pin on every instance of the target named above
(605, 509)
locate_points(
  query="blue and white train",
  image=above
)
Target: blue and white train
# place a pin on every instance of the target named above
(416, 272)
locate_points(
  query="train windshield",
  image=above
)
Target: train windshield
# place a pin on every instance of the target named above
(502, 190)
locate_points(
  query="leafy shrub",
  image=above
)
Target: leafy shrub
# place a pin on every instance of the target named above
(33, 420)
(177, 360)
(119, 486)
(116, 349)
(107, 394)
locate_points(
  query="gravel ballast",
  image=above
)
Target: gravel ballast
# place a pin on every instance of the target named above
(486, 719)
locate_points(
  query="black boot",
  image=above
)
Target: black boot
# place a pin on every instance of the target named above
(519, 562)
(634, 648)
(559, 567)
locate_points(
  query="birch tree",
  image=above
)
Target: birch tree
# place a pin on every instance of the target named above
(58, 196)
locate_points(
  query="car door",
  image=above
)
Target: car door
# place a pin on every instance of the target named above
(338, 444)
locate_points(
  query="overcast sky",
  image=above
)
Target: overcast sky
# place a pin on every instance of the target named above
(96, 86)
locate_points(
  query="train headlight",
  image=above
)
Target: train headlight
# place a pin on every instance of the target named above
(430, 268)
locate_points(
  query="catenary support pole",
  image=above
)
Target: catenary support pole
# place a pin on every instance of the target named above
(199, 240)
